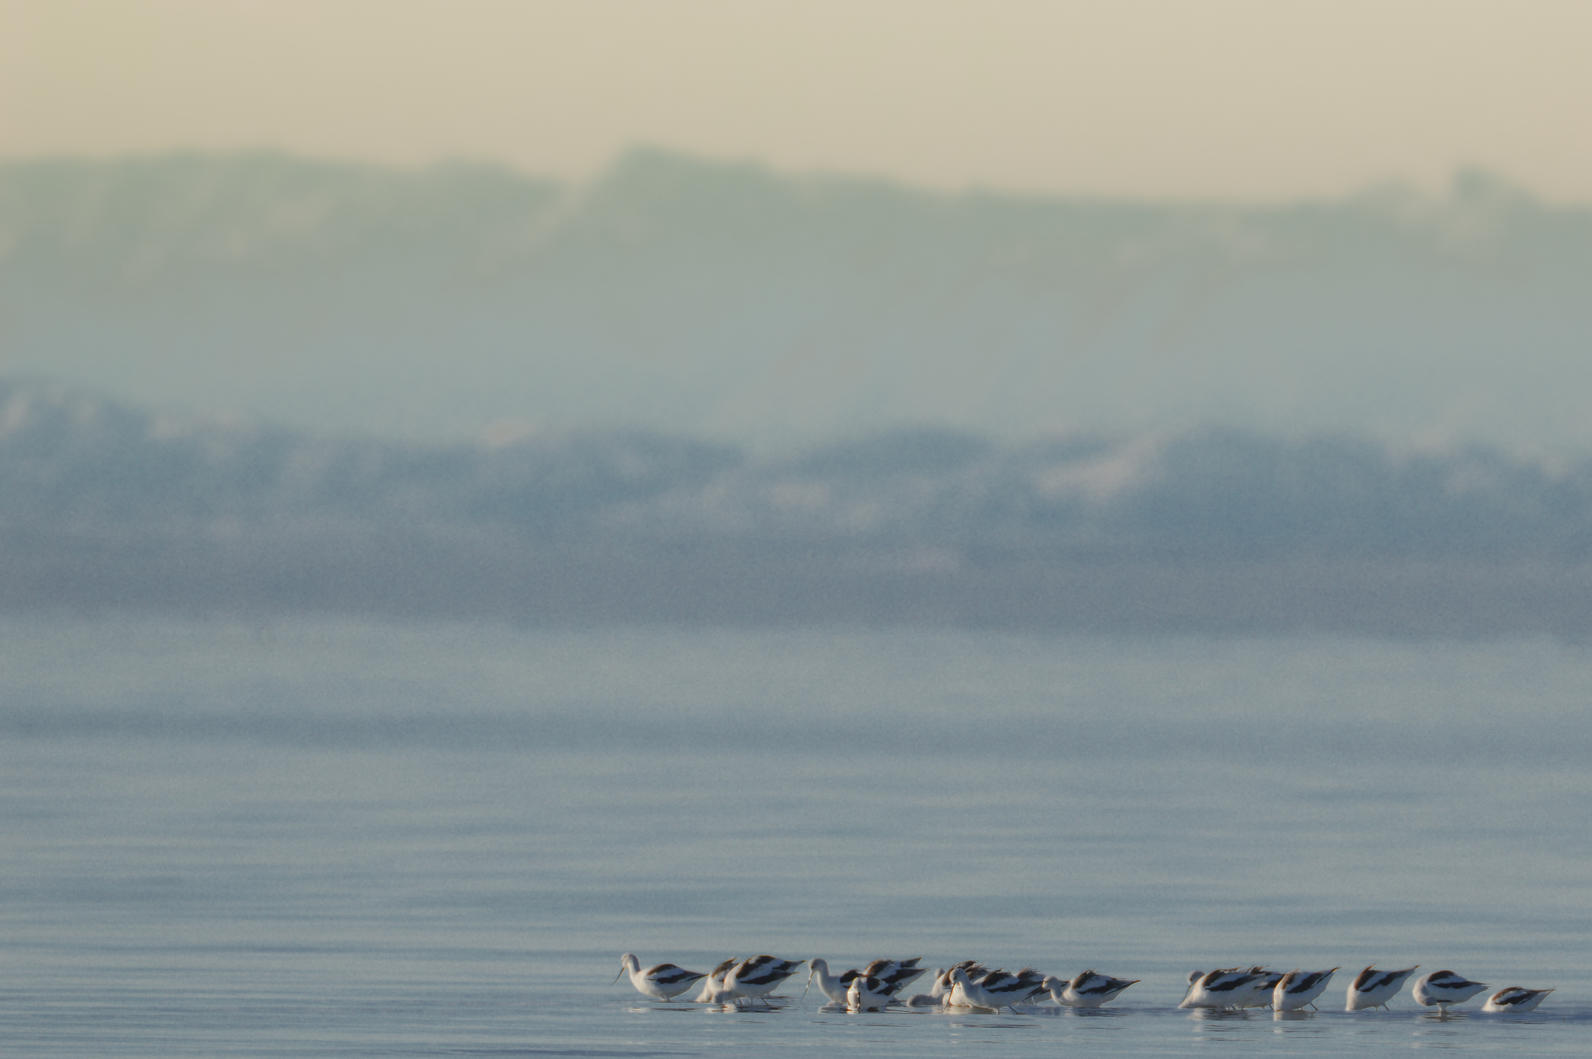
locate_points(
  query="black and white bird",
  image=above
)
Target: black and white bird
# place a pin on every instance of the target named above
(713, 985)
(1372, 988)
(663, 981)
(962, 991)
(1442, 988)
(992, 990)
(940, 988)
(896, 974)
(868, 993)
(1088, 989)
(1222, 989)
(831, 985)
(1258, 994)
(1514, 998)
(1299, 989)
(757, 976)
(942, 979)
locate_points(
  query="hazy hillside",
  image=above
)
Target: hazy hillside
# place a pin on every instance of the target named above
(745, 306)
(112, 506)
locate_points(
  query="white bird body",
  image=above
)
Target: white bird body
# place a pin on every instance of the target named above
(895, 974)
(965, 992)
(1442, 988)
(1258, 993)
(1225, 988)
(960, 991)
(867, 993)
(1514, 998)
(1372, 988)
(1003, 988)
(1299, 989)
(713, 991)
(833, 988)
(1089, 989)
(663, 981)
(941, 988)
(757, 976)
(942, 979)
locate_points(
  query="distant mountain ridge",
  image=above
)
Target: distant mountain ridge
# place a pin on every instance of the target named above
(113, 507)
(743, 305)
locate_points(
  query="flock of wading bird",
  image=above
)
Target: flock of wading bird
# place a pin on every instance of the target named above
(970, 986)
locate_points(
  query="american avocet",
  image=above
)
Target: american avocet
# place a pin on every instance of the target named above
(1442, 988)
(1036, 982)
(1257, 994)
(757, 976)
(1089, 989)
(713, 985)
(883, 968)
(999, 989)
(965, 992)
(1514, 998)
(942, 979)
(1223, 988)
(833, 987)
(867, 993)
(945, 983)
(1299, 989)
(1372, 988)
(663, 981)
(895, 974)
(940, 988)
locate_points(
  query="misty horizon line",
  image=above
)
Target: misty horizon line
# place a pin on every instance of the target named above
(181, 418)
(1461, 177)
(115, 508)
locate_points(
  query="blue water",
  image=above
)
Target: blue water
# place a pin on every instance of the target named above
(328, 838)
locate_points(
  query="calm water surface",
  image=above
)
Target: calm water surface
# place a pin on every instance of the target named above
(327, 839)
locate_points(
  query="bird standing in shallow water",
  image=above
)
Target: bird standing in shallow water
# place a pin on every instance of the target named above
(895, 974)
(1514, 998)
(1089, 989)
(713, 985)
(1224, 988)
(995, 989)
(1442, 988)
(867, 993)
(1258, 993)
(757, 976)
(965, 992)
(1372, 988)
(833, 987)
(663, 981)
(1298, 989)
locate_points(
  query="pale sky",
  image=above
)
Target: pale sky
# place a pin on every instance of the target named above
(1231, 98)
